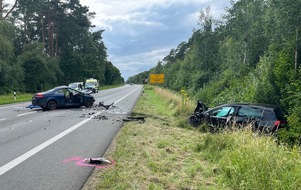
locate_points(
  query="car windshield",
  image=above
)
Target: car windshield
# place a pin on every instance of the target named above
(89, 83)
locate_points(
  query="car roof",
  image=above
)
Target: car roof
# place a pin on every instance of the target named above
(76, 83)
(63, 86)
(258, 105)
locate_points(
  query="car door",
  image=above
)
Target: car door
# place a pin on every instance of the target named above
(248, 114)
(75, 98)
(60, 97)
(218, 116)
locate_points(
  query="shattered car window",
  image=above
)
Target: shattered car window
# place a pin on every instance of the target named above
(222, 112)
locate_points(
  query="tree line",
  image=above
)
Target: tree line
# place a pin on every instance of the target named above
(45, 43)
(250, 54)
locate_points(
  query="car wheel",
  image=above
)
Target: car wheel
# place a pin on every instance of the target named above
(51, 105)
(89, 104)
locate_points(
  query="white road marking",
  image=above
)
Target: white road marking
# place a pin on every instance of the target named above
(5, 168)
(25, 114)
(14, 106)
(3, 119)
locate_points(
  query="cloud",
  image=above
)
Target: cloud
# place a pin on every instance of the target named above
(136, 29)
(139, 62)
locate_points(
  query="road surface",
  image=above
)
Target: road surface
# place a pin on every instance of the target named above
(47, 149)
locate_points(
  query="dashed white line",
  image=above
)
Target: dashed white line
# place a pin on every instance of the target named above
(3, 119)
(25, 114)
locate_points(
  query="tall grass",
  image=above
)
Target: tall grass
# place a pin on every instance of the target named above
(248, 161)
(175, 102)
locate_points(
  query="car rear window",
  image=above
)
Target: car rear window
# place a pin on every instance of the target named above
(269, 115)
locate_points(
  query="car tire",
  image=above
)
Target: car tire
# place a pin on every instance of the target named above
(89, 104)
(51, 105)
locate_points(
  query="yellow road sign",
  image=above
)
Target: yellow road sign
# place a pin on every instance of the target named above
(156, 78)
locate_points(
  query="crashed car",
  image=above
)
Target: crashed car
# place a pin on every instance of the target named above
(263, 117)
(62, 97)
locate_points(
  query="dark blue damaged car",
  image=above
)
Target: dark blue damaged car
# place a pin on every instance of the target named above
(62, 97)
(263, 117)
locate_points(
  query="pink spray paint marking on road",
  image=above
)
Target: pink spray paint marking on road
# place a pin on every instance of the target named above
(81, 161)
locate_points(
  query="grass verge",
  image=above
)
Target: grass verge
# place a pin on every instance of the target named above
(156, 154)
(7, 99)
(165, 153)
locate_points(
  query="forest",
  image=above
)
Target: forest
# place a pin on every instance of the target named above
(250, 54)
(49, 43)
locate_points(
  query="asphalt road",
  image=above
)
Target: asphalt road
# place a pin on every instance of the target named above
(46, 149)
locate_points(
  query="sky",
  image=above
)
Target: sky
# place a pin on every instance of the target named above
(140, 33)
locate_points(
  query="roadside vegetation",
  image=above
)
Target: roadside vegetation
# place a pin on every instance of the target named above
(9, 98)
(249, 54)
(45, 50)
(166, 153)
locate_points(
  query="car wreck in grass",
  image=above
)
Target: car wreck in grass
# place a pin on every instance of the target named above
(262, 117)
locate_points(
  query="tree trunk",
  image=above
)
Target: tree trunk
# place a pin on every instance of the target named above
(43, 32)
(1, 9)
(52, 41)
(296, 50)
(245, 53)
(57, 41)
(50, 38)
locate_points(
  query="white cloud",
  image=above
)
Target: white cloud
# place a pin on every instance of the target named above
(139, 33)
(136, 63)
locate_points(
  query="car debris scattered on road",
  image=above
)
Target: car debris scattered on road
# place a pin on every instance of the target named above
(139, 119)
(101, 160)
(34, 107)
(101, 104)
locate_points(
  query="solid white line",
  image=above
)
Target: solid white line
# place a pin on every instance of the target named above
(35, 150)
(3, 119)
(25, 114)
(5, 168)
(15, 105)
(125, 96)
